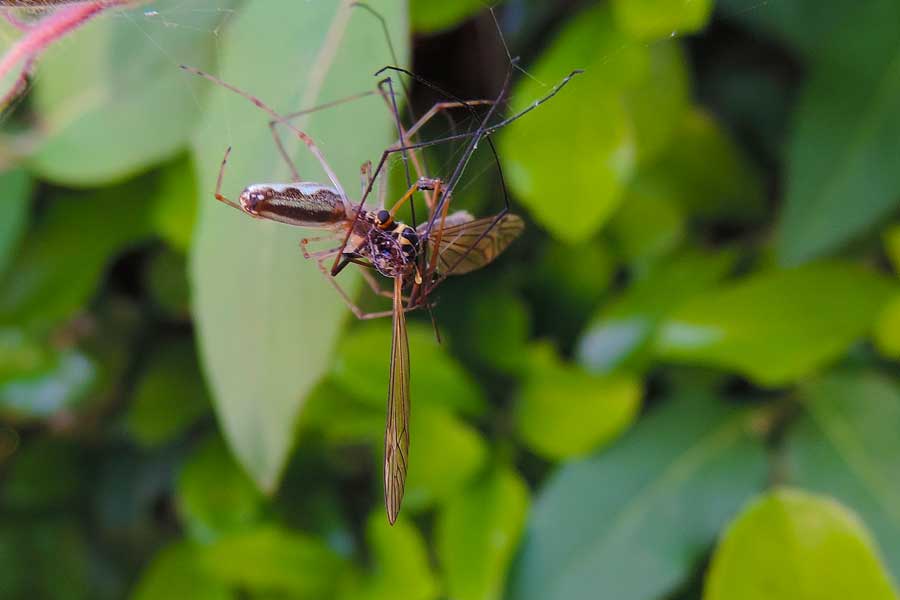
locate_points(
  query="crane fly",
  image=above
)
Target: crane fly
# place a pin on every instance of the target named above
(416, 257)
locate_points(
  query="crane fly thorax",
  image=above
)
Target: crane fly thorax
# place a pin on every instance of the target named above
(304, 204)
(392, 246)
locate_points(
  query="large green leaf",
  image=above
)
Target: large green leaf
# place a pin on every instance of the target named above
(778, 325)
(631, 522)
(112, 100)
(267, 319)
(790, 545)
(478, 532)
(846, 445)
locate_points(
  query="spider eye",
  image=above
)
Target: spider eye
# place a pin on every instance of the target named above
(383, 217)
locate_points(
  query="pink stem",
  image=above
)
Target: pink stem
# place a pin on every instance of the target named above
(50, 29)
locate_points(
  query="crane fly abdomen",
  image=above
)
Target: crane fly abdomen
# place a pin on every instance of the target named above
(303, 204)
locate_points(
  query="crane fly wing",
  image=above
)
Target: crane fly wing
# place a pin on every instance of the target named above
(396, 435)
(469, 244)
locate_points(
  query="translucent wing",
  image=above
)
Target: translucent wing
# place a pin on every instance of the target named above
(467, 244)
(396, 435)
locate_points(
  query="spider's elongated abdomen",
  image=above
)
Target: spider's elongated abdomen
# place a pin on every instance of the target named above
(303, 204)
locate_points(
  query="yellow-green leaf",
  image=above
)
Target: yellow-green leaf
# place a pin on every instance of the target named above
(791, 545)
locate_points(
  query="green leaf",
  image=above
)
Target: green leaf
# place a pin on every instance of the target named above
(655, 19)
(704, 172)
(267, 320)
(500, 346)
(659, 102)
(63, 259)
(444, 454)
(563, 411)
(400, 564)
(790, 545)
(778, 325)
(620, 335)
(478, 532)
(15, 189)
(176, 203)
(436, 378)
(887, 329)
(169, 395)
(649, 224)
(842, 166)
(632, 522)
(846, 445)
(175, 573)
(584, 132)
(112, 99)
(215, 497)
(272, 560)
(892, 246)
(432, 16)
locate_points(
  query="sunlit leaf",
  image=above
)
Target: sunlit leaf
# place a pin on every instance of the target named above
(846, 445)
(273, 560)
(175, 573)
(632, 522)
(584, 132)
(654, 19)
(478, 532)
(267, 319)
(790, 545)
(564, 411)
(777, 325)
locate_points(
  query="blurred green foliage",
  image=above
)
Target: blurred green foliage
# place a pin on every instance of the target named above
(680, 383)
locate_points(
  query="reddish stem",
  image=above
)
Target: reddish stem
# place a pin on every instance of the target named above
(43, 33)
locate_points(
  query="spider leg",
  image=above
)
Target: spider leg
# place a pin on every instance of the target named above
(302, 136)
